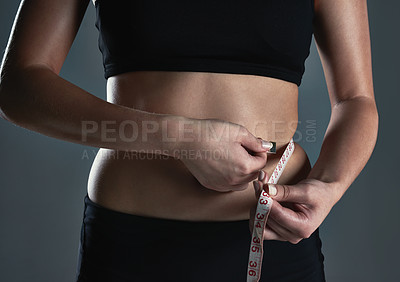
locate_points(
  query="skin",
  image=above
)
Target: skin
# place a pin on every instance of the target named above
(34, 96)
(342, 36)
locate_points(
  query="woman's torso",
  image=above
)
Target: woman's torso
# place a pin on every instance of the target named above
(163, 187)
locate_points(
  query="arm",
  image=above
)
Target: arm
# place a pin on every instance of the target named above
(342, 36)
(346, 57)
(34, 96)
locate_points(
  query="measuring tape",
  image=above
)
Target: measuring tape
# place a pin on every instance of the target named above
(260, 219)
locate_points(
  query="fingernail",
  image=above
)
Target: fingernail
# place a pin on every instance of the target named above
(265, 180)
(272, 189)
(261, 175)
(266, 144)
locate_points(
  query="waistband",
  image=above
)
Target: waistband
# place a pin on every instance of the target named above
(100, 223)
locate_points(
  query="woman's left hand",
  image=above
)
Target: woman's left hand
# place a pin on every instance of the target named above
(297, 210)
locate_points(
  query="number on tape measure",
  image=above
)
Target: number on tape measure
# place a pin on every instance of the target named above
(253, 263)
(261, 215)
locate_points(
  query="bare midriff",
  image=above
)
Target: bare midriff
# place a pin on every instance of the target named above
(163, 187)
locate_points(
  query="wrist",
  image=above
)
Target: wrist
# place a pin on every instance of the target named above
(177, 133)
(334, 188)
(337, 191)
(336, 183)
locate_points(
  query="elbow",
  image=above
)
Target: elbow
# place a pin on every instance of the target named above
(373, 114)
(10, 98)
(363, 111)
(16, 93)
(372, 117)
(5, 103)
(7, 106)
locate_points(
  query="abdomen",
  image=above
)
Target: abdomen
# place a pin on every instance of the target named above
(161, 186)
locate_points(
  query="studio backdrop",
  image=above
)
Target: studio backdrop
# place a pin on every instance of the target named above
(43, 180)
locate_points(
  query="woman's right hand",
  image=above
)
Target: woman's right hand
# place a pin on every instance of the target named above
(221, 155)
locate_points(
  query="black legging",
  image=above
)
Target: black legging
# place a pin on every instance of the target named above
(121, 247)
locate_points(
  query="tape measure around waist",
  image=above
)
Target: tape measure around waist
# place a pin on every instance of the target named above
(264, 205)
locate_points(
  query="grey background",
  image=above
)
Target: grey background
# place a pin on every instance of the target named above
(43, 180)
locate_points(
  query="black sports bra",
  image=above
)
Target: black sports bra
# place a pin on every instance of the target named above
(258, 37)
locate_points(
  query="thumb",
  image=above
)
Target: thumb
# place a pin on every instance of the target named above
(255, 144)
(287, 193)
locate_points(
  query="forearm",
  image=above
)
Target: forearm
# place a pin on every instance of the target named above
(348, 143)
(38, 99)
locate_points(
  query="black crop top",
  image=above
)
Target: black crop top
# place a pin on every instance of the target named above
(258, 37)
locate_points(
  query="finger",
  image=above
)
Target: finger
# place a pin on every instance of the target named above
(243, 183)
(295, 221)
(299, 193)
(257, 188)
(283, 232)
(254, 144)
(263, 177)
(257, 161)
(270, 234)
(245, 180)
(251, 163)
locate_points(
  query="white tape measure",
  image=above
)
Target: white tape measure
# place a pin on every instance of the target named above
(260, 219)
